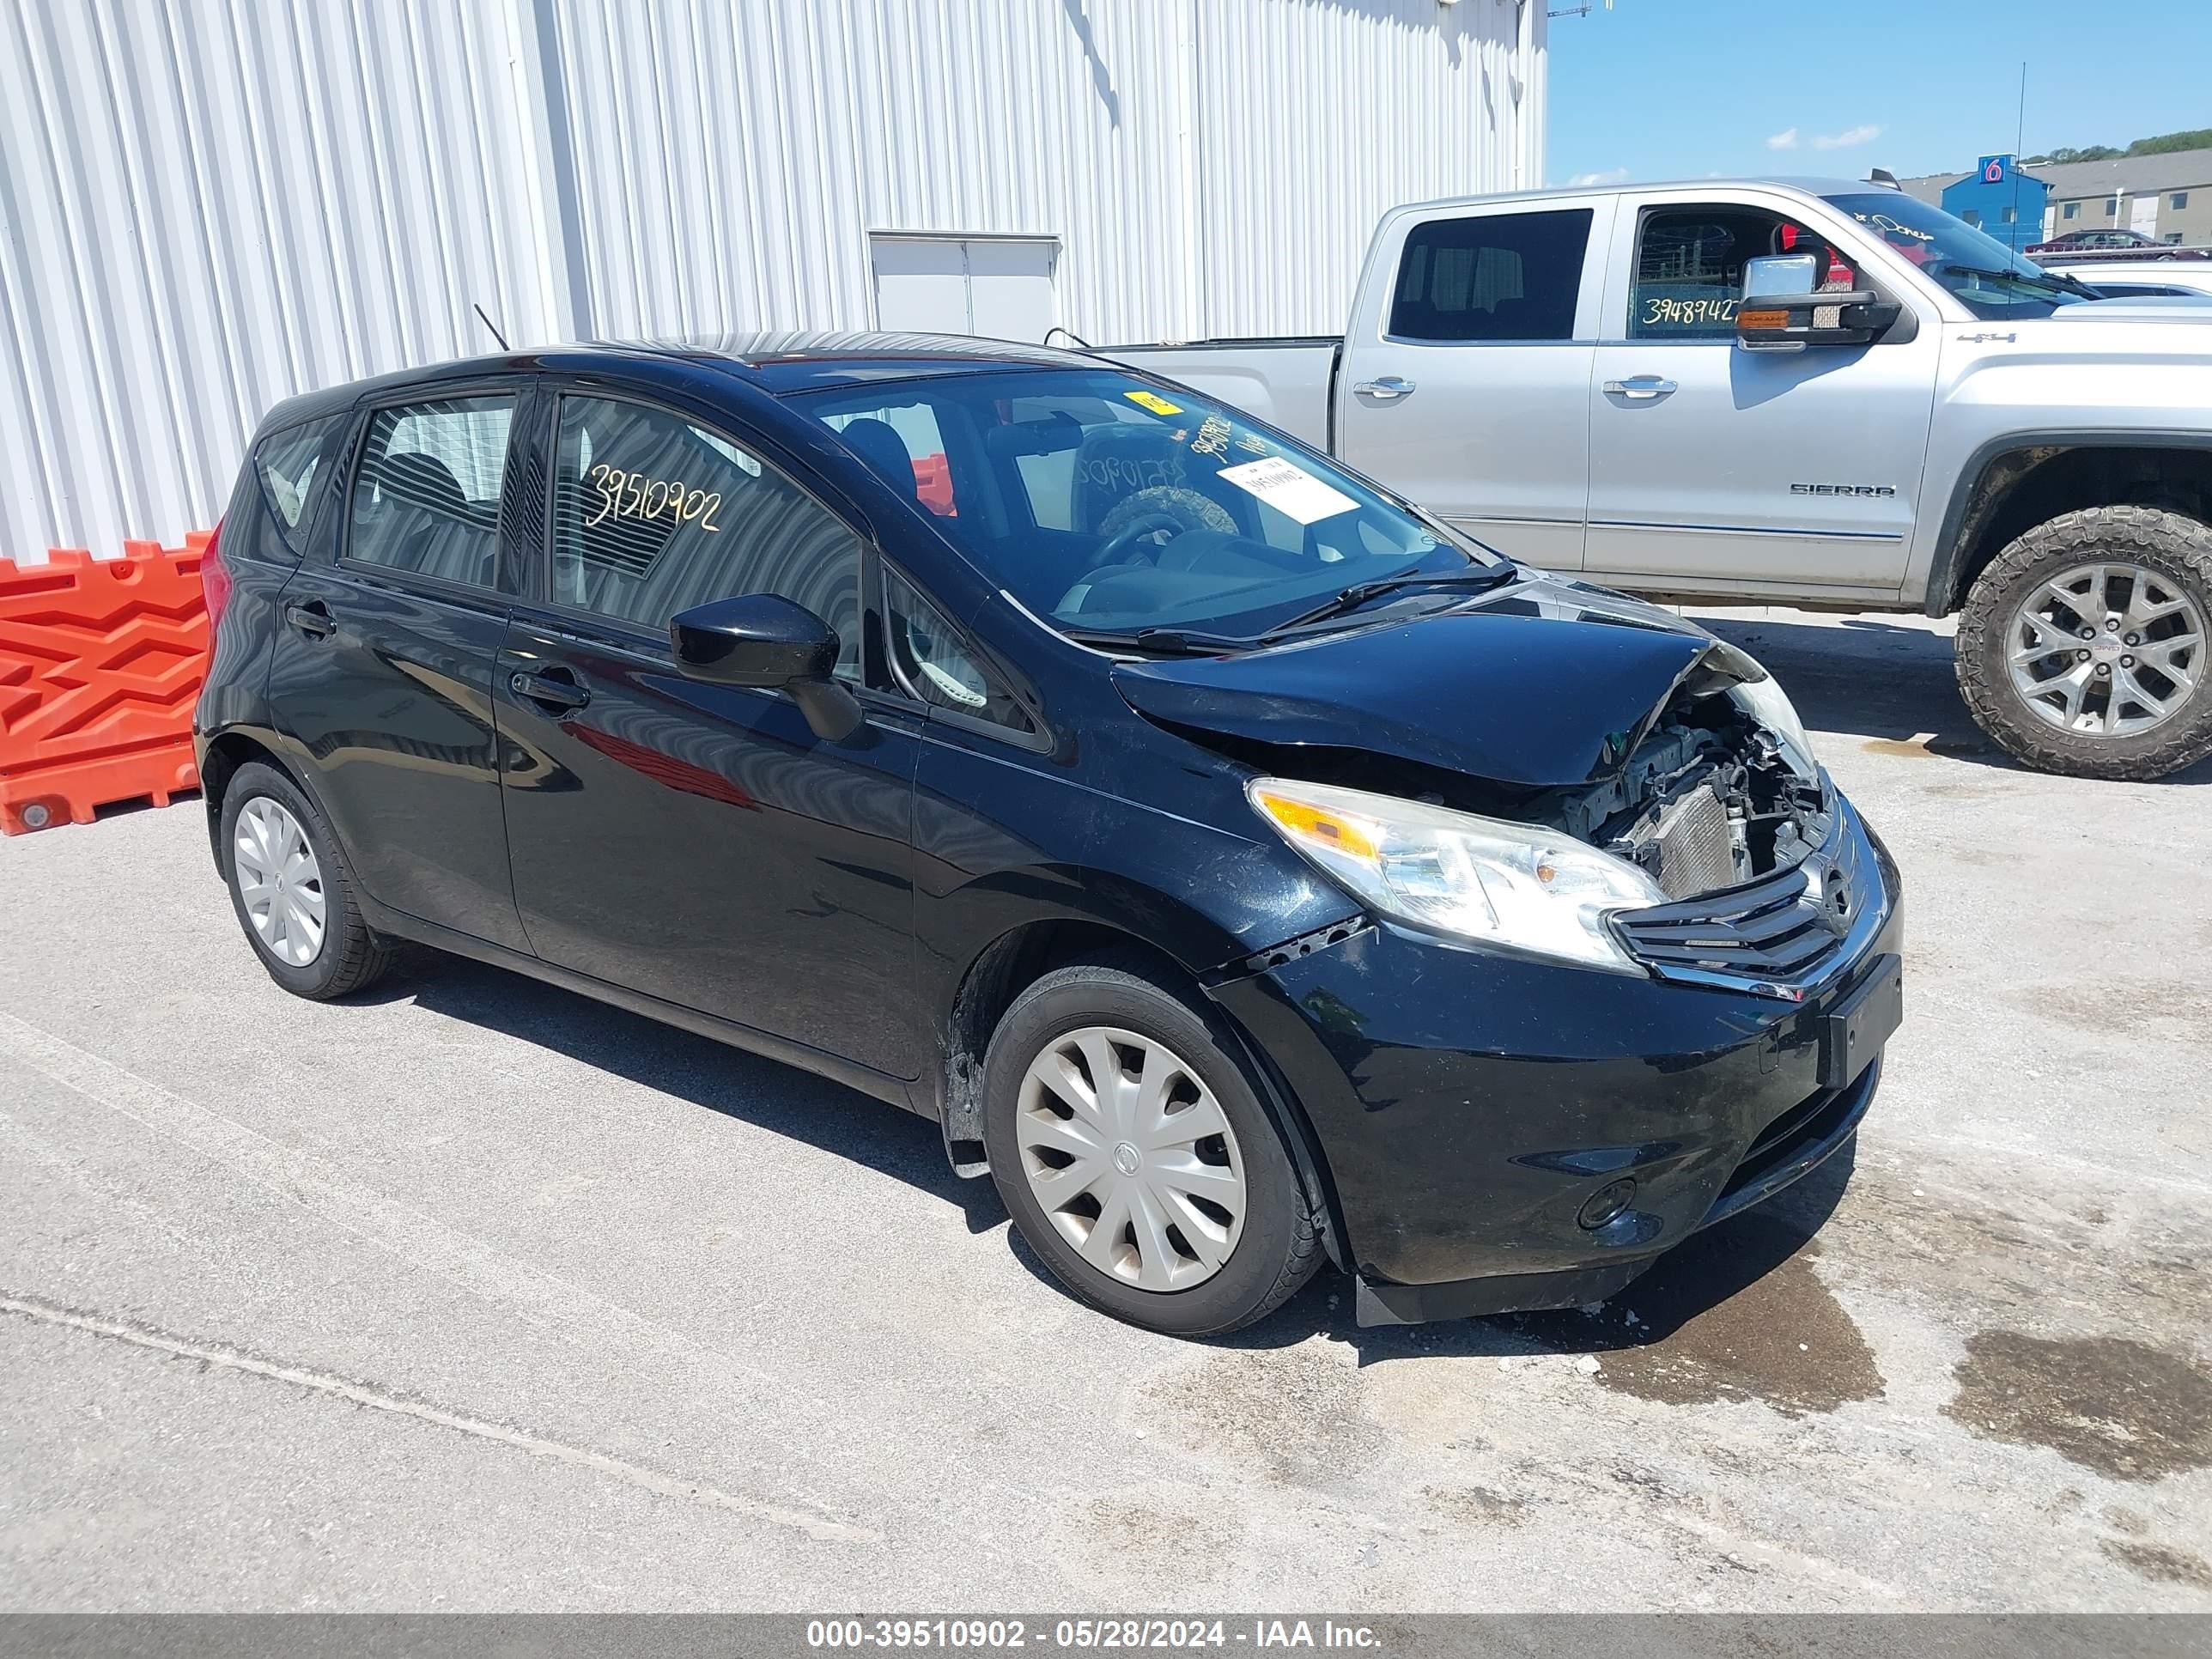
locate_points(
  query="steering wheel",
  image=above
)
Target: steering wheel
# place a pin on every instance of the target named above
(1114, 549)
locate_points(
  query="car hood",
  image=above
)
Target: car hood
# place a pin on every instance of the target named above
(2181, 310)
(1543, 684)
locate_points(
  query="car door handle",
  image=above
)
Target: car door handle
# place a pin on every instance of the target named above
(1641, 387)
(555, 688)
(312, 617)
(1385, 387)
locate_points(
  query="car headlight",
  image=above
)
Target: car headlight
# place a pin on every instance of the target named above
(1765, 701)
(1521, 887)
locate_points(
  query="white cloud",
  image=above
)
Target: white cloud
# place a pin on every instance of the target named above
(1849, 136)
(1786, 139)
(1610, 176)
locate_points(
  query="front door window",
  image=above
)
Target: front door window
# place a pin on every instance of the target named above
(653, 514)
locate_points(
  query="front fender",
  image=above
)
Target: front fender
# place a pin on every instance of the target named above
(1987, 473)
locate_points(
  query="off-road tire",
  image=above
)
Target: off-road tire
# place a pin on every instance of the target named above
(1280, 1246)
(352, 958)
(2177, 546)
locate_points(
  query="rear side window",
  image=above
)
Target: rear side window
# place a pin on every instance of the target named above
(289, 465)
(1500, 277)
(652, 515)
(426, 492)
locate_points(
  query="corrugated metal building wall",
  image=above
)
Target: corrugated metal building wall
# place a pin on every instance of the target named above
(207, 205)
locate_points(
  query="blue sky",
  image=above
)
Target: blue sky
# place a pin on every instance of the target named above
(1681, 88)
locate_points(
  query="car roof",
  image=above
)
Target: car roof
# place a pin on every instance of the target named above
(777, 362)
(798, 362)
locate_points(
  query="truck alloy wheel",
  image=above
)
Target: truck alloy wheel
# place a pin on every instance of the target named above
(2106, 649)
(2082, 646)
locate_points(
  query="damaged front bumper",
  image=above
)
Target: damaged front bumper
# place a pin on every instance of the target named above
(1480, 1113)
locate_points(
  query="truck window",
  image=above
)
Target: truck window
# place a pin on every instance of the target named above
(1689, 268)
(1496, 276)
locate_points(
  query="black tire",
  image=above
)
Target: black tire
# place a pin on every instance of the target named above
(1279, 1247)
(350, 958)
(2177, 547)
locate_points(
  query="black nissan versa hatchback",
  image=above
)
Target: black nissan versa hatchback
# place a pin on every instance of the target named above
(1240, 864)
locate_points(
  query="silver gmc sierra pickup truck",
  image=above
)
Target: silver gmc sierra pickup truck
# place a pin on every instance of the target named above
(1809, 391)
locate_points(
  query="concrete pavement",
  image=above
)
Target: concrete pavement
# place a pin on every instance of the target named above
(475, 1295)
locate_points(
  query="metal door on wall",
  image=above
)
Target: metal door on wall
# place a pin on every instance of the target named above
(1001, 286)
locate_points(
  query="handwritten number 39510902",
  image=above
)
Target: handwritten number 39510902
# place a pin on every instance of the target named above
(632, 495)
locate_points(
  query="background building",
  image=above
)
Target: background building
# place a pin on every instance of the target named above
(2167, 198)
(2001, 199)
(208, 208)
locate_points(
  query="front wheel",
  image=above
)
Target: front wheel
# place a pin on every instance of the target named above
(2082, 648)
(1135, 1158)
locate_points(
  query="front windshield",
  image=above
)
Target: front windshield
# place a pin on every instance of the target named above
(1993, 280)
(1110, 506)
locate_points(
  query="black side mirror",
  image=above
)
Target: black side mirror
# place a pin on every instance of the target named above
(769, 643)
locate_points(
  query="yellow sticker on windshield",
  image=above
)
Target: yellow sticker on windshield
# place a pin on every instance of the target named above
(1152, 401)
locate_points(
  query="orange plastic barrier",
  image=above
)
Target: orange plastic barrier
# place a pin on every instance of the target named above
(101, 661)
(933, 483)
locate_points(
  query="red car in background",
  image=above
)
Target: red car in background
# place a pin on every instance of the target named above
(2112, 244)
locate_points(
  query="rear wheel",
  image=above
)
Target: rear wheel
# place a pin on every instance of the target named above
(292, 890)
(2082, 648)
(1135, 1157)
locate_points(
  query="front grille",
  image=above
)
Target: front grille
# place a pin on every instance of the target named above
(1776, 933)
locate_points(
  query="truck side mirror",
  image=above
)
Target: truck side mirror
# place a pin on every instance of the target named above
(1792, 317)
(1781, 274)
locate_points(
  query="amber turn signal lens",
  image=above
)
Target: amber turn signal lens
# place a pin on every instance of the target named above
(1321, 828)
(1762, 319)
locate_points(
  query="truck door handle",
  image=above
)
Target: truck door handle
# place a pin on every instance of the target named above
(1385, 387)
(312, 617)
(555, 688)
(1641, 387)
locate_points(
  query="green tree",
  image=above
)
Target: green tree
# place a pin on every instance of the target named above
(2166, 142)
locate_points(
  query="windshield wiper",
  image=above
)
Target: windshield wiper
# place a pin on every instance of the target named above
(1171, 641)
(1358, 593)
(2025, 279)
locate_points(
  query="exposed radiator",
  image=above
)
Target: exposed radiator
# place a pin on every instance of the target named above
(1697, 854)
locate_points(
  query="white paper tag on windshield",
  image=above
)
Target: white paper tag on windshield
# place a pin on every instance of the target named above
(1289, 488)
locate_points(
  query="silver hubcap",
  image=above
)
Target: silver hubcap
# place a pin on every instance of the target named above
(2106, 650)
(279, 882)
(1131, 1157)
